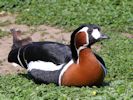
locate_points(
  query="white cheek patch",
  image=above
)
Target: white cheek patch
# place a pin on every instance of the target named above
(96, 34)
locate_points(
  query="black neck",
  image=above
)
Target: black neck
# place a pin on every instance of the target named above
(17, 56)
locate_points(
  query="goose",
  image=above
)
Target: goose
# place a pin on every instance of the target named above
(84, 68)
(25, 50)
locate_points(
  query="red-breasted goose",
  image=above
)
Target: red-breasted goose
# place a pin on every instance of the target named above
(84, 69)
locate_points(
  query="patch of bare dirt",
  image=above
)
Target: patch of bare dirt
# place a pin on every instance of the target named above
(37, 33)
(130, 36)
(5, 67)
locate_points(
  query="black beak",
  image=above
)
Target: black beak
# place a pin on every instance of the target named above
(103, 36)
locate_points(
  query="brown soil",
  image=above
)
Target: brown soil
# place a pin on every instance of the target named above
(37, 33)
(130, 36)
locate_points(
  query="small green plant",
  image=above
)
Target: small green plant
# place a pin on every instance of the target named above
(2, 33)
(19, 87)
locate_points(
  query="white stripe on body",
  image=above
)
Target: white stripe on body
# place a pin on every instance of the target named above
(49, 66)
(64, 69)
(42, 65)
(19, 60)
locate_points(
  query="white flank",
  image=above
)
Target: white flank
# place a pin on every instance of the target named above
(64, 69)
(41, 65)
(15, 64)
(96, 34)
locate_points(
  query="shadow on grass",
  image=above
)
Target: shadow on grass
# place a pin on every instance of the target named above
(27, 76)
(105, 84)
(24, 75)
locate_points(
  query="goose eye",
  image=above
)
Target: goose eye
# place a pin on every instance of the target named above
(89, 31)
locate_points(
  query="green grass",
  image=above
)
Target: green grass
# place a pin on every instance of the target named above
(3, 33)
(115, 17)
(17, 87)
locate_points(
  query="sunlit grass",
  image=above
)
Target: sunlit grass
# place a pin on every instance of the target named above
(115, 18)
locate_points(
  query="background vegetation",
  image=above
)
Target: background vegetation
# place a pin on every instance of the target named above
(116, 19)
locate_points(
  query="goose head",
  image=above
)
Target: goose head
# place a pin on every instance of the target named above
(85, 36)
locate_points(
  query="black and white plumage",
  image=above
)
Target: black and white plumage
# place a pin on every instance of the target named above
(41, 52)
(45, 51)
